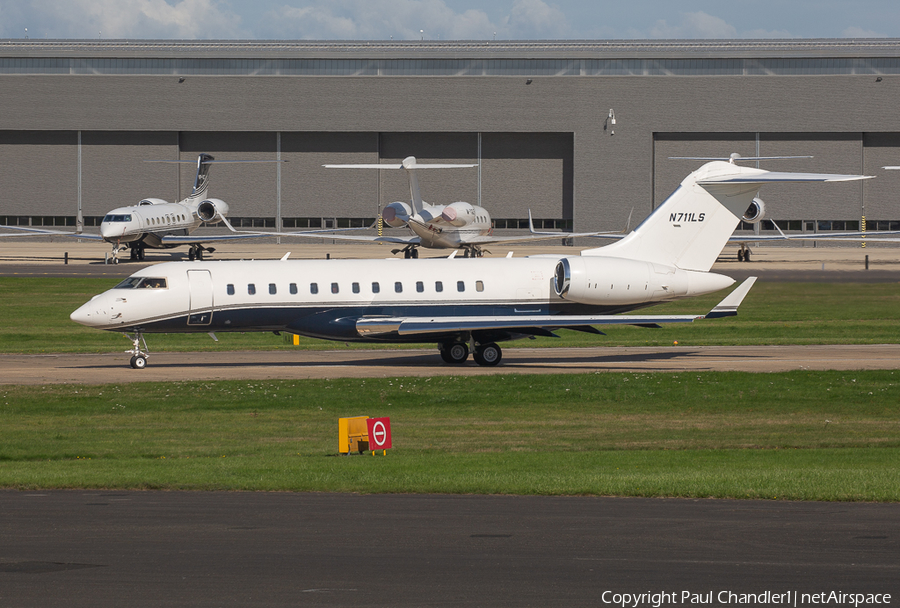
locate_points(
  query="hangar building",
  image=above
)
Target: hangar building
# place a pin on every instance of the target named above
(580, 132)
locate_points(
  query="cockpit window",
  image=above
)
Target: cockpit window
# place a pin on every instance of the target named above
(142, 283)
(117, 218)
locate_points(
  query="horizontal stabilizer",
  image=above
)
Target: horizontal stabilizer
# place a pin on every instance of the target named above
(772, 177)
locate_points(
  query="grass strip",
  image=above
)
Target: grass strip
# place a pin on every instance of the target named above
(800, 435)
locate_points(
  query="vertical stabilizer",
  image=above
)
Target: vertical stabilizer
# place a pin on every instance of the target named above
(201, 182)
(415, 197)
(693, 225)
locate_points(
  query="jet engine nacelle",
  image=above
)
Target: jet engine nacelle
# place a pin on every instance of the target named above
(153, 201)
(755, 212)
(212, 210)
(617, 281)
(396, 215)
(458, 214)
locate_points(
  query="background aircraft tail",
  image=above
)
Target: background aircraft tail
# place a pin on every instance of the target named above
(693, 225)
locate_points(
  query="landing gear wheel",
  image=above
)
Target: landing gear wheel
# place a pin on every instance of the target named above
(138, 362)
(488, 355)
(740, 256)
(455, 353)
(747, 256)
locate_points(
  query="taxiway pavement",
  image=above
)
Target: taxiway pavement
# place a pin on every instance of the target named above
(113, 368)
(102, 549)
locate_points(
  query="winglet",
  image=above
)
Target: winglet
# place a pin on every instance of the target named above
(728, 307)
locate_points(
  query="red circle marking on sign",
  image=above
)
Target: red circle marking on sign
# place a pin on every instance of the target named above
(379, 432)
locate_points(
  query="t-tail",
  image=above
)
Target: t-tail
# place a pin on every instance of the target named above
(690, 229)
(201, 182)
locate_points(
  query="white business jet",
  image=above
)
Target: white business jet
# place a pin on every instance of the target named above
(463, 305)
(156, 224)
(459, 225)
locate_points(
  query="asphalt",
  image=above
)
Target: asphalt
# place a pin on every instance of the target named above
(102, 549)
(114, 368)
(52, 258)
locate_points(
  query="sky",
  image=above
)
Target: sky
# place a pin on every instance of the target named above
(446, 19)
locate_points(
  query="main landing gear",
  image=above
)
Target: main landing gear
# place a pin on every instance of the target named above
(456, 353)
(137, 252)
(196, 251)
(409, 252)
(138, 355)
(743, 253)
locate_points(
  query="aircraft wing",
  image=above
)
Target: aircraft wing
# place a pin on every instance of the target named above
(373, 326)
(24, 231)
(541, 236)
(881, 236)
(324, 234)
(212, 238)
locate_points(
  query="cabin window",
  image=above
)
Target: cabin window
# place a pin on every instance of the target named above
(230, 289)
(293, 289)
(460, 286)
(438, 286)
(272, 289)
(251, 289)
(313, 288)
(479, 285)
(335, 288)
(420, 286)
(376, 288)
(398, 287)
(355, 288)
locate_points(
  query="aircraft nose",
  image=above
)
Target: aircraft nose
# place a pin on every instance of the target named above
(88, 314)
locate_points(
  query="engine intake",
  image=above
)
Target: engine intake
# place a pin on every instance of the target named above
(755, 212)
(212, 210)
(396, 215)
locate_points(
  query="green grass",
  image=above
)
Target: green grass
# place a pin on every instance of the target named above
(34, 318)
(798, 435)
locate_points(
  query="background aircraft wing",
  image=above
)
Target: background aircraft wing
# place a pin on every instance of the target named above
(883, 236)
(212, 238)
(24, 231)
(327, 234)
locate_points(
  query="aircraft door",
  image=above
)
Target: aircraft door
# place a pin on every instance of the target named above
(201, 308)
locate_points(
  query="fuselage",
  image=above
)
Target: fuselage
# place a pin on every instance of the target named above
(450, 226)
(327, 298)
(149, 223)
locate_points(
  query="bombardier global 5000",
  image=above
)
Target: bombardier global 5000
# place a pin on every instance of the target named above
(462, 305)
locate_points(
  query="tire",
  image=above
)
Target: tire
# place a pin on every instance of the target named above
(139, 362)
(488, 355)
(455, 353)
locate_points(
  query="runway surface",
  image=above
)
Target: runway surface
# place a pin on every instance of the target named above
(110, 549)
(256, 365)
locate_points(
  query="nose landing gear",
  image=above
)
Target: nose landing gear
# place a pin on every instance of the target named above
(138, 355)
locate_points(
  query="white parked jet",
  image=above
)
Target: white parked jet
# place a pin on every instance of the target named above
(463, 305)
(459, 225)
(156, 224)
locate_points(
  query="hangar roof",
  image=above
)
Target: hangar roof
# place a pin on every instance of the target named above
(549, 49)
